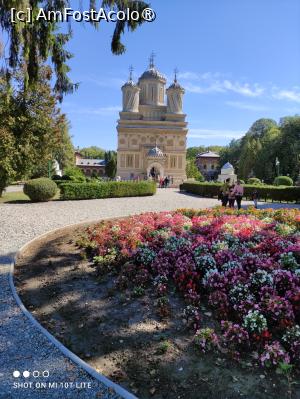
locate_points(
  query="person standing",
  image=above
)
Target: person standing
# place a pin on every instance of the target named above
(225, 192)
(238, 192)
(231, 196)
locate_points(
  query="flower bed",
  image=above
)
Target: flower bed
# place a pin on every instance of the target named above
(244, 266)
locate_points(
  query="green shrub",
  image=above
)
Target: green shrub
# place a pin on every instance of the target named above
(264, 192)
(78, 191)
(74, 174)
(254, 181)
(242, 181)
(283, 181)
(42, 189)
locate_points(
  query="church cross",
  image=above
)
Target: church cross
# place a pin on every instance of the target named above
(130, 73)
(175, 75)
(151, 60)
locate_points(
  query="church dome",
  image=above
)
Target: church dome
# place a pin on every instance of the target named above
(155, 152)
(227, 166)
(152, 73)
(130, 83)
(176, 85)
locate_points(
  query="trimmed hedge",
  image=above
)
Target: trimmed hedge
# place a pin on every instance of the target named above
(283, 181)
(41, 189)
(254, 181)
(79, 191)
(288, 194)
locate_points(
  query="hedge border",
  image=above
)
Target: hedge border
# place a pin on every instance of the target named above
(112, 189)
(271, 193)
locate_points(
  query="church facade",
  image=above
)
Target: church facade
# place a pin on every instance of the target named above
(151, 132)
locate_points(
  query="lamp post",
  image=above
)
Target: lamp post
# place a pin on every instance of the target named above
(277, 163)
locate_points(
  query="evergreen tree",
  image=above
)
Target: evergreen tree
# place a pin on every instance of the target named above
(36, 132)
(110, 158)
(43, 40)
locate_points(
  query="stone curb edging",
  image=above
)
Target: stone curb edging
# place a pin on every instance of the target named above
(74, 358)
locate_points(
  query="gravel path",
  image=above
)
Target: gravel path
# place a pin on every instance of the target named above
(23, 346)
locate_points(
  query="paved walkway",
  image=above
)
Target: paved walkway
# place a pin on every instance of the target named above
(23, 346)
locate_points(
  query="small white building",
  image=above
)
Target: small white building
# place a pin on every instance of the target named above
(227, 172)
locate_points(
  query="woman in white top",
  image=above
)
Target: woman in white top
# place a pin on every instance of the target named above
(238, 192)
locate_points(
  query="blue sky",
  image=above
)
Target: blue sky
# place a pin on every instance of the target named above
(239, 60)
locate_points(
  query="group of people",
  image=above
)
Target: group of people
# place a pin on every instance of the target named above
(229, 193)
(165, 182)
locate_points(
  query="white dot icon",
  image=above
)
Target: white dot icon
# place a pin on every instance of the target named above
(26, 374)
(16, 374)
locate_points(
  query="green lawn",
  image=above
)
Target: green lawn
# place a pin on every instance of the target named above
(18, 196)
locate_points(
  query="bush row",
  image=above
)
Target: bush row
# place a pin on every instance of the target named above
(288, 194)
(79, 191)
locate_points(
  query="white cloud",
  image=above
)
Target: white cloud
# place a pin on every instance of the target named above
(290, 95)
(214, 133)
(210, 82)
(249, 107)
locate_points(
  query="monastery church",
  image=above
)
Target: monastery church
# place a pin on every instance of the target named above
(152, 133)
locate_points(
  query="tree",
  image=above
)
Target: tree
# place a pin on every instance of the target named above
(36, 131)
(255, 153)
(43, 40)
(93, 152)
(289, 146)
(192, 171)
(265, 161)
(7, 153)
(249, 150)
(261, 127)
(231, 154)
(110, 158)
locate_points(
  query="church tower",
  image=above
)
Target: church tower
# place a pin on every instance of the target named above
(131, 94)
(152, 133)
(174, 97)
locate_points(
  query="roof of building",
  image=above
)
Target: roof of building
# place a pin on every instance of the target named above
(152, 73)
(90, 162)
(155, 152)
(176, 85)
(227, 166)
(129, 83)
(208, 154)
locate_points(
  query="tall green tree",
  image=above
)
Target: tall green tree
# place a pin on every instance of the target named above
(192, 171)
(289, 146)
(264, 167)
(255, 153)
(248, 156)
(34, 127)
(231, 154)
(110, 158)
(34, 43)
(7, 154)
(93, 152)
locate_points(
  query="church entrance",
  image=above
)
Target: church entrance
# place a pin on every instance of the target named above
(155, 171)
